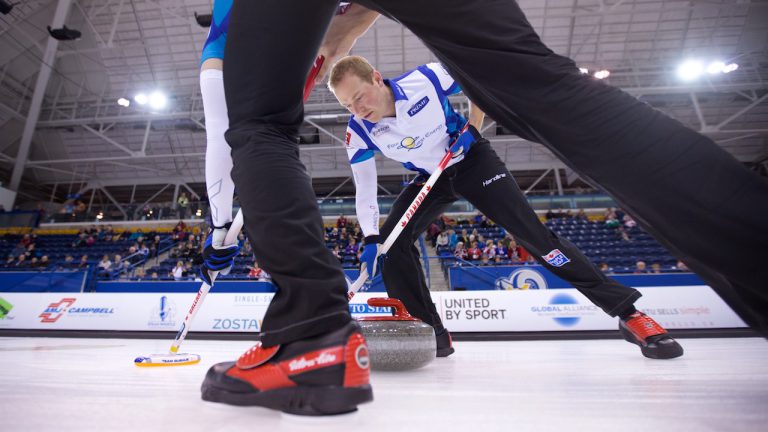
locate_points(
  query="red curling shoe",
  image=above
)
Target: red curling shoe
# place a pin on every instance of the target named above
(653, 340)
(322, 375)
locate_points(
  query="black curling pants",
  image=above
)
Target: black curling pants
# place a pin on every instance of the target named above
(690, 194)
(483, 179)
(270, 48)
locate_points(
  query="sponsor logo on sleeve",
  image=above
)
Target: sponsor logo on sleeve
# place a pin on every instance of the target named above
(555, 258)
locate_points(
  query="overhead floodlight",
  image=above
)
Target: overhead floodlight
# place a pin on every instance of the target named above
(141, 99)
(123, 102)
(584, 71)
(157, 100)
(602, 74)
(203, 20)
(715, 67)
(5, 7)
(730, 67)
(690, 70)
(100, 216)
(64, 33)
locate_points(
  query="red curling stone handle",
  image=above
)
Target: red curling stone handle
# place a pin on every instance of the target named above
(401, 314)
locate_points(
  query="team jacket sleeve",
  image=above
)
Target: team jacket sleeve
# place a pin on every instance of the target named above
(363, 164)
(449, 85)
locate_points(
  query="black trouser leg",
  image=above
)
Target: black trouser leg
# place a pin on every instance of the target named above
(270, 48)
(690, 194)
(402, 270)
(486, 183)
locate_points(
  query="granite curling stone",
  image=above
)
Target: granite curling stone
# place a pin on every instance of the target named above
(399, 342)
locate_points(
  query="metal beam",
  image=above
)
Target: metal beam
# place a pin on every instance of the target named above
(114, 201)
(346, 180)
(741, 111)
(49, 57)
(108, 139)
(530, 188)
(116, 158)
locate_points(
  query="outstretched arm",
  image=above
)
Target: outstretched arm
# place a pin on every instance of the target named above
(344, 31)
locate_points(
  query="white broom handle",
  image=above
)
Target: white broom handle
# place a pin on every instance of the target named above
(231, 237)
(403, 222)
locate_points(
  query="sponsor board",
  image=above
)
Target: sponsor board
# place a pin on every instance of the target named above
(5, 308)
(461, 311)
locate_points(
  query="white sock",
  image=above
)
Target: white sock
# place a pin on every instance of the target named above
(218, 159)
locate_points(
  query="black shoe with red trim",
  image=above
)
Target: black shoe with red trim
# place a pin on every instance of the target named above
(444, 343)
(322, 375)
(653, 340)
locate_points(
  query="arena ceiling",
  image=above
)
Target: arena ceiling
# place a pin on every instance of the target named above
(84, 141)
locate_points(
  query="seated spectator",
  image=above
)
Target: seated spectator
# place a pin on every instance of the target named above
(680, 266)
(143, 250)
(442, 240)
(10, 260)
(83, 264)
(68, 263)
(640, 268)
(463, 237)
(31, 251)
(21, 261)
(501, 250)
(656, 268)
(26, 240)
(341, 222)
(582, 216)
(333, 236)
(90, 241)
(605, 268)
(474, 252)
(484, 261)
(529, 260)
(452, 239)
(612, 222)
(337, 253)
(44, 262)
(154, 276)
(357, 233)
(33, 263)
(489, 249)
(118, 266)
(498, 260)
(104, 265)
(189, 270)
(178, 272)
(629, 223)
(258, 273)
(460, 252)
(139, 274)
(135, 235)
(352, 247)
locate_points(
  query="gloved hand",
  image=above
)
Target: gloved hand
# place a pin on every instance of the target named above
(464, 141)
(370, 255)
(217, 257)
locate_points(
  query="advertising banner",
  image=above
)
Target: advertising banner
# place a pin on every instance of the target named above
(689, 307)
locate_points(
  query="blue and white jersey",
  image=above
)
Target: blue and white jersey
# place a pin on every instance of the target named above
(417, 136)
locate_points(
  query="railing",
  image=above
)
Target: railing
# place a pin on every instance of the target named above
(328, 207)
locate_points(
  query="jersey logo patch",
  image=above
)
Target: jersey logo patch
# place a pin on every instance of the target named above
(349, 138)
(410, 143)
(556, 258)
(418, 106)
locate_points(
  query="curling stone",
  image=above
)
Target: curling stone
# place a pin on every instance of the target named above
(399, 342)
